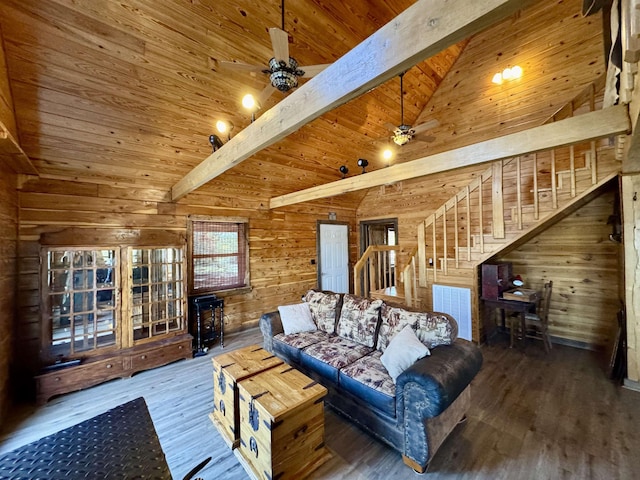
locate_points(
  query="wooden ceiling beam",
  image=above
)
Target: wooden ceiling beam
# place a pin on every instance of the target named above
(598, 124)
(423, 30)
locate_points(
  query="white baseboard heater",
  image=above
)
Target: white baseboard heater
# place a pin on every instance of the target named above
(456, 302)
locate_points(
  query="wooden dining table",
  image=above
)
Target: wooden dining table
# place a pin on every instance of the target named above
(519, 306)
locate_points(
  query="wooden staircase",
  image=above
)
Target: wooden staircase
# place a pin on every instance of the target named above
(510, 202)
(507, 204)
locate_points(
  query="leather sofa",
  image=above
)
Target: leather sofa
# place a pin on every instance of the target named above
(414, 414)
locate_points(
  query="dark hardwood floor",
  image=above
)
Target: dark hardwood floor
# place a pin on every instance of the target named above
(534, 416)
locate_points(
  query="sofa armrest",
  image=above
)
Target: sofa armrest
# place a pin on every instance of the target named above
(270, 326)
(443, 376)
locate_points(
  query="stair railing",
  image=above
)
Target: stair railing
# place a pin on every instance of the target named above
(376, 269)
(446, 238)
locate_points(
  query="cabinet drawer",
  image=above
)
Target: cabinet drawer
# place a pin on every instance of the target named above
(79, 377)
(160, 355)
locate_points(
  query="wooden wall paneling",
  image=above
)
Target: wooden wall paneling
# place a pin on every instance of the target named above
(282, 243)
(7, 117)
(8, 282)
(499, 109)
(631, 215)
(578, 256)
(11, 152)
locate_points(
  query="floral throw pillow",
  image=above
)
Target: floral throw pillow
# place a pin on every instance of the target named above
(359, 319)
(431, 328)
(323, 309)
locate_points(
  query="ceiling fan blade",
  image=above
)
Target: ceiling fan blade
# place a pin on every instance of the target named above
(428, 125)
(264, 95)
(424, 138)
(390, 126)
(313, 70)
(280, 43)
(239, 66)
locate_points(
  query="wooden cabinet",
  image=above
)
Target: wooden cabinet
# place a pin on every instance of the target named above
(122, 363)
(495, 279)
(115, 310)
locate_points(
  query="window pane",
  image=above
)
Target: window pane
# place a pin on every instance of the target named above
(156, 292)
(140, 333)
(82, 302)
(219, 259)
(105, 339)
(58, 280)
(77, 299)
(59, 259)
(104, 277)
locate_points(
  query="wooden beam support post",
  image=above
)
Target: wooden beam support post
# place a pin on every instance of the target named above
(497, 201)
(423, 30)
(598, 124)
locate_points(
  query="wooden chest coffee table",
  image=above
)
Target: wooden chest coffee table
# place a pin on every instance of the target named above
(228, 370)
(281, 424)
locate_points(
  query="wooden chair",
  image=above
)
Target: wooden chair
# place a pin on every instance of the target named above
(539, 318)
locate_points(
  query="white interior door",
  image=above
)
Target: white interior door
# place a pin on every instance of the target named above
(334, 257)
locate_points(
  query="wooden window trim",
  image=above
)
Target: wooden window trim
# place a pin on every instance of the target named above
(190, 255)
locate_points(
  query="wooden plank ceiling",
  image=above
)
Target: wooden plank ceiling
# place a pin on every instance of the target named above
(128, 93)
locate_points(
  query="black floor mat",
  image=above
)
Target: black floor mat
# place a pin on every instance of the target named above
(120, 443)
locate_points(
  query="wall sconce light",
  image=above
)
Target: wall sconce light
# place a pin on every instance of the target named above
(344, 170)
(363, 163)
(387, 154)
(250, 103)
(215, 142)
(510, 73)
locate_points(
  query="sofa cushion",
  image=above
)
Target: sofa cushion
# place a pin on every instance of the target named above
(296, 318)
(359, 319)
(432, 329)
(328, 357)
(403, 350)
(323, 306)
(368, 379)
(290, 345)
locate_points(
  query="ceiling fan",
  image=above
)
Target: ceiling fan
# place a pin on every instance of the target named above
(404, 133)
(283, 70)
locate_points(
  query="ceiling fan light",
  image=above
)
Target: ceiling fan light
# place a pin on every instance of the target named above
(497, 78)
(283, 80)
(403, 134)
(401, 138)
(284, 77)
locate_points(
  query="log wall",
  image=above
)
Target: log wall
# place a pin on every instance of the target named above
(8, 242)
(8, 237)
(282, 243)
(583, 263)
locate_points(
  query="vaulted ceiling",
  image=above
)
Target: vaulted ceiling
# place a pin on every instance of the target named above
(126, 93)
